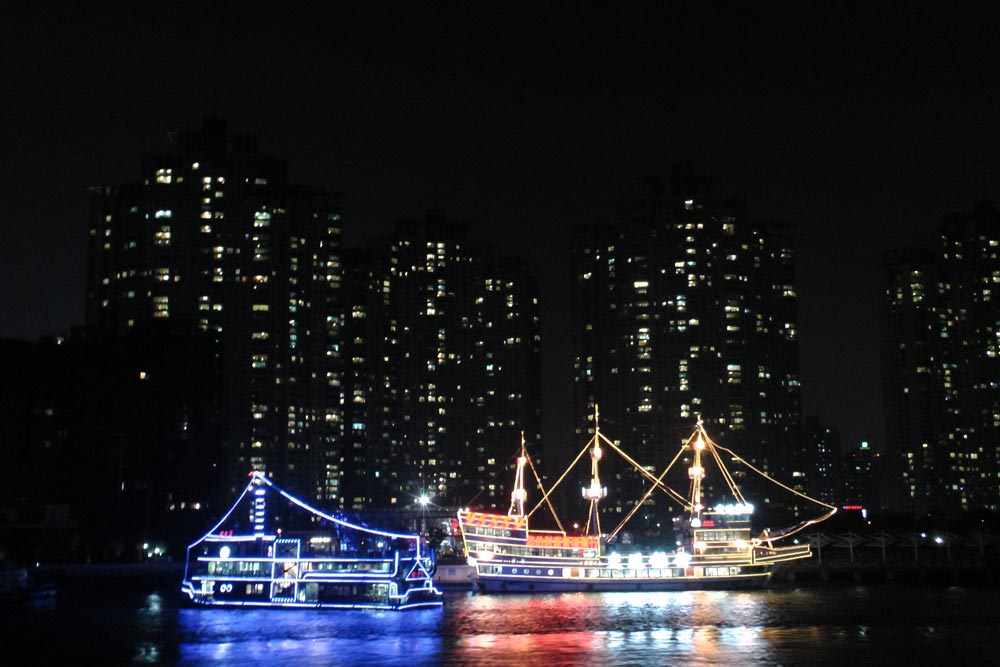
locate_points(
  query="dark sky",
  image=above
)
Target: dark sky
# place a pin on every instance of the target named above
(862, 125)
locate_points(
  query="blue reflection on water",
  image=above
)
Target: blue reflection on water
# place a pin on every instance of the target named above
(309, 637)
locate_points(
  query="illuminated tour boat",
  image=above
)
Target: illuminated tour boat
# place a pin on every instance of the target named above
(325, 563)
(715, 548)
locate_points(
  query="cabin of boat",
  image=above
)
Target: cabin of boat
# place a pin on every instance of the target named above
(715, 547)
(245, 560)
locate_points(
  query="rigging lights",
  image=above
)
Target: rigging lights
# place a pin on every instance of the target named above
(519, 495)
(726, 557)
(279, 578)
(595, 491)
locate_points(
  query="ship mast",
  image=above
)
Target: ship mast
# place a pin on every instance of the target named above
(518, 495)
(595, 491)
(696, 473)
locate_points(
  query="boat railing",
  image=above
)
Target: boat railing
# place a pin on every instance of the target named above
(634, 573)
(558, 540)
(713, 559)
(765, 554)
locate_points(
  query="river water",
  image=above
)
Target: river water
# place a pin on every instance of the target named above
(821, 624)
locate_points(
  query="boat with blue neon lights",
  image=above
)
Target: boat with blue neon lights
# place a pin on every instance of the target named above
(714, 546)
(273, 550)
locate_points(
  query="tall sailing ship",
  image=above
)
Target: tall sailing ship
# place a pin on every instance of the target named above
(245, 560)
(715, 547)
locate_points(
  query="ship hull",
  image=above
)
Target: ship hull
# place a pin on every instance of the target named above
(326, 595)
(493, 585)
(713, 548)
(291, 581)
(604, 580)
(315, 561)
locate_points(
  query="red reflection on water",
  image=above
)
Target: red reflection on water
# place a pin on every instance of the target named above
(528, 631)
(573, 629)
(528, 650)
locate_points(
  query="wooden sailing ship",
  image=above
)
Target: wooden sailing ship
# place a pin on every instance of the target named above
(715, 546)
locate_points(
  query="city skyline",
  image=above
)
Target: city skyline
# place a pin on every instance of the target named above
(861, 128)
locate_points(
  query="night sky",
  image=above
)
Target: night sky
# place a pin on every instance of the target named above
(860, 125)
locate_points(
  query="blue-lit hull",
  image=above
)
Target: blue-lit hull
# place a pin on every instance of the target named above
(327, 595)
(246, 561)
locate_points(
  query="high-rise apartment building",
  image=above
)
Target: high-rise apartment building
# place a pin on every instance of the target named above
(684, 309)
(823, 442)
(213, 240)
(861, 471)
(941, 366)
(442, 368)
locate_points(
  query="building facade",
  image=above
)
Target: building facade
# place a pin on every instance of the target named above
(824, 444)
(683, 309)
(213, 240)
(861, 471)
(443, 372)
(941, 366)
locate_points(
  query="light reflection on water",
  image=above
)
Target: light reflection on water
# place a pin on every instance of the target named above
(824, 625)
(309, 637)
(706, 628)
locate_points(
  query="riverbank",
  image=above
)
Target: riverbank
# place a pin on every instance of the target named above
(448, 574)
(150, 570)
(458, 575)
(871, 573)
(453, 575)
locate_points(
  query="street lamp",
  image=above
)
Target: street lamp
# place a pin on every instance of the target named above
(423, 500)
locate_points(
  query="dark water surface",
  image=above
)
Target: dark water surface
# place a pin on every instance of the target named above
(824, 624)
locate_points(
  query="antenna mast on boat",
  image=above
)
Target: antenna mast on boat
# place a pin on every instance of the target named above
(696, 473)
(518, 495)
(595, 491)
